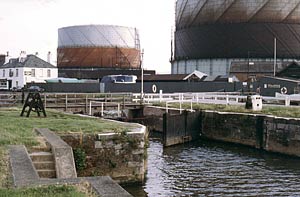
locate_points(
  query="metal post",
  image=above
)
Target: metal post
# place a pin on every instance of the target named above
(248, 83)
(275, 55)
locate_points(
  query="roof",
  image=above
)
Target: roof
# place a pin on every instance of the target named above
(174, 77)
(281, 79)
(258, 67)
(31, 61)
(2, 59)
(291, 71)
(164, 77)
(197, 73)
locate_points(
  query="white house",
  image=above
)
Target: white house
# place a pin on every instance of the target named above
(27, 68)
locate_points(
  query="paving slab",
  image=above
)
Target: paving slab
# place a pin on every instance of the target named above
(23, 170)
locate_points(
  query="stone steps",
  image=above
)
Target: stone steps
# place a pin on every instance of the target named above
(44, 164)
(41, 156)
(47, 173)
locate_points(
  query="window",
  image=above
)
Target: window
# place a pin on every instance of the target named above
(3, 73)
(48, 73)
(33, 72)
(41, 74)
(11, 73)
(17, 72)
(17, 84)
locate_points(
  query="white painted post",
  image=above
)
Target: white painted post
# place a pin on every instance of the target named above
(227, 99)
(102, 113)
(191, 105)
(180, 105)
(90, 109)
(160, 95)
(66, 103)
(287, 101)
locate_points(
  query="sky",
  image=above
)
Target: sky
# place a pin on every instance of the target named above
(31, 25)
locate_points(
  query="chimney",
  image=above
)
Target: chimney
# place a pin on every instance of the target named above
(49, 57)
(22, 57)
(36, 53)
(7, 57)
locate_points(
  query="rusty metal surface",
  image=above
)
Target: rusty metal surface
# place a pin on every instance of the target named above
(233, 28)
(104, 46)
(88, 57)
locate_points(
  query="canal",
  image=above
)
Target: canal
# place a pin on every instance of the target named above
(217, 169)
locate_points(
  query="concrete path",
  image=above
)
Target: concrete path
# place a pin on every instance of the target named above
(23, 170)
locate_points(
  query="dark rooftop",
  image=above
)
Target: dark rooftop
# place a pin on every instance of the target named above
(163, 77)
(31, 61)
(258, 67)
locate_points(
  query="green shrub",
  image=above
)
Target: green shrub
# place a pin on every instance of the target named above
(80, 158)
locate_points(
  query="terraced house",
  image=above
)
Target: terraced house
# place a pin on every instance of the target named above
(17, 72)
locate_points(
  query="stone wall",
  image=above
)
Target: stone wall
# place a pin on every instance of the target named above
(282, 135)
(270, 133)
(121, 156)
(274, 134)
(230, 127)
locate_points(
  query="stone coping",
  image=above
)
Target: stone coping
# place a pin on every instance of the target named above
(63, 154)
(252, 114)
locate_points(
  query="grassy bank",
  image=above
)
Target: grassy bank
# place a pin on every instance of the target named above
(290, 112)
(19, 130)
(49, 191)
(16, 130)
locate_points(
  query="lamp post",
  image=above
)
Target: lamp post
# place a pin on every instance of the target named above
(275, 55)
(248, 72)
(142, 76)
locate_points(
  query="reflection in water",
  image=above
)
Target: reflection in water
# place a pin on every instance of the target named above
(217, 169)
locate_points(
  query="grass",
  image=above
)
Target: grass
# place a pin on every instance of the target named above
(19, 130)
(16, 130)
(49, 191)
(290, 112)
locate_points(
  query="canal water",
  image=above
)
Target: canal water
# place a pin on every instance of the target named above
(217, 169)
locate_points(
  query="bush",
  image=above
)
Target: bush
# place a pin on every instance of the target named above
(80, 158)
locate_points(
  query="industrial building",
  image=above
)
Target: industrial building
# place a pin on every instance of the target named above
(211, 35)
(93, 51)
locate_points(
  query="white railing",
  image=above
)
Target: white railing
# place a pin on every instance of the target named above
(211, 98)
(103, 104)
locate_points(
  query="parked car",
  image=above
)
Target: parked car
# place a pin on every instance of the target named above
(35, 89)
